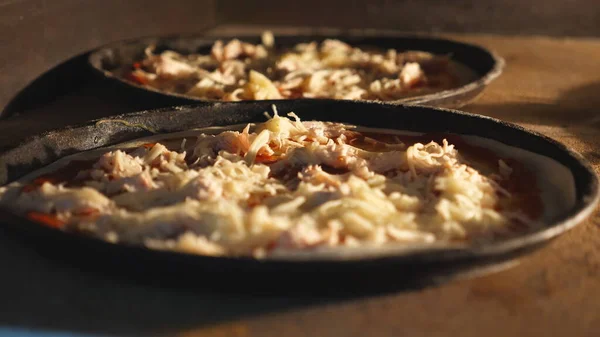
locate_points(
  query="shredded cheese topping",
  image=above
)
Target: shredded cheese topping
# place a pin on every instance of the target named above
(278, 186)
(239, 70)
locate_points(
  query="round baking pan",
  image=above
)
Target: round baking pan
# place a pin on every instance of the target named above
(421, 264)
(483, 65)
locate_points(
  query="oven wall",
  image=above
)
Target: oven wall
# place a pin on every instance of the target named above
(543, 17)
(36, 35)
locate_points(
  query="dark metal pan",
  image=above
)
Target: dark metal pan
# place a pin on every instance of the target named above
(484, 65)
(41, 150)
